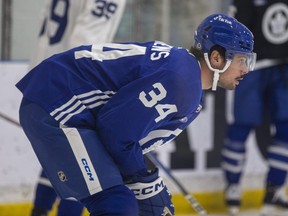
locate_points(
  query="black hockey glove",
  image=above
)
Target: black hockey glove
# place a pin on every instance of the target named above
(153, 197)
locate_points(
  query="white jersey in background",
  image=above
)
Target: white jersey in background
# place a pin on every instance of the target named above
(69, 23)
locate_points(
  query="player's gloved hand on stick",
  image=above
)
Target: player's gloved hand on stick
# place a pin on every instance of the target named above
(153, 197)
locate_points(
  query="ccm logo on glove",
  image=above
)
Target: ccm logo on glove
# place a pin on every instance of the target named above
(147, 190)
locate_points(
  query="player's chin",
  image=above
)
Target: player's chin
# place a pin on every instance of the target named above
(231, 88)
(233, 85)
(228, 86)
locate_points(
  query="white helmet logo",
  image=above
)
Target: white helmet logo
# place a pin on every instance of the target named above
(275, 23)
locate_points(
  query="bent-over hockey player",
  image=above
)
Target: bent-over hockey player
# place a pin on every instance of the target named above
(91, 113)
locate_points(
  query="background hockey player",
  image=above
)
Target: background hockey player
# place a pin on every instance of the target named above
(266, 87)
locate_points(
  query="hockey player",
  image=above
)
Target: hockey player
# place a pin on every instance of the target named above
(268, 20)
(91, 112)
(66, 24)
(71, 23)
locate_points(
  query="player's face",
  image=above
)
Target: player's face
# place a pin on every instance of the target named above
(234, 73)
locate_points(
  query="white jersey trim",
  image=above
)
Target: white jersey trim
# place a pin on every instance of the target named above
(159, 133)
(80, 153)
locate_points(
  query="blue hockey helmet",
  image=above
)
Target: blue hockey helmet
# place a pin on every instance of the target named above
(227, 32)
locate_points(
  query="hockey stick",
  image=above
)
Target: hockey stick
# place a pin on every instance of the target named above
(193, 202)
(7, 118)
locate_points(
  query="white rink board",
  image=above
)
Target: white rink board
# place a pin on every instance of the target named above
(19, 167)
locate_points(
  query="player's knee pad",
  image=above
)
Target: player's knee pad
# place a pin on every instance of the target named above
(281, 132)
(236, 137)
(277, 161)
(118, 200)
(238, 133)
(233, 152)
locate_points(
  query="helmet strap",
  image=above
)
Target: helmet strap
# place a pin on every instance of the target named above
(216, 71)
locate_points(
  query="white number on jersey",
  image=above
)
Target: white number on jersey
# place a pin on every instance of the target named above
(104, 8)
(154, 97)
(113, 51)
(163, 109)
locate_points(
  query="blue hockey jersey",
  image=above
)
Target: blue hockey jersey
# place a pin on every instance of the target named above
(137, 96)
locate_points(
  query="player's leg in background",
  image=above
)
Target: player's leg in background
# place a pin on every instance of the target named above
(276, 190)
(245, 115)
(233, 153)
(70, 207)
(276, 194)
(45, 197)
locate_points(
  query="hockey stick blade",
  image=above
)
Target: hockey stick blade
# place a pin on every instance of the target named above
(192, 201)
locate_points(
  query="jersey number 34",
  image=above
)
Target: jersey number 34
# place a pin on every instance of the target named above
(153, 101)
